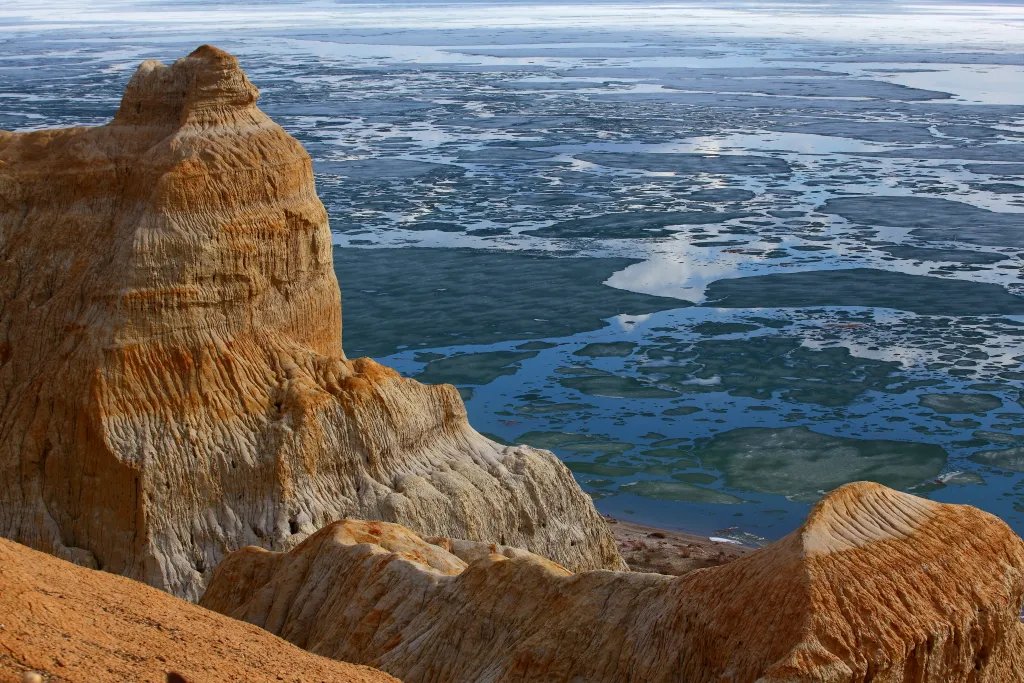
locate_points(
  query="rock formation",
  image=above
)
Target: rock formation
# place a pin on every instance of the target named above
(172, 382)
(76, 624)
(875, 586)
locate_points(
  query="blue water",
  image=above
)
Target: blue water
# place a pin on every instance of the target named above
(719, 260)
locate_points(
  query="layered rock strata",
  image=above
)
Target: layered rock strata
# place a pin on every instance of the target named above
(74, 624)
(875, 586)
(172, 381)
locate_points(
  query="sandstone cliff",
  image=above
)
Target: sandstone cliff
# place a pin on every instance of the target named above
(76, 624)
(172, 382)
(875, 586)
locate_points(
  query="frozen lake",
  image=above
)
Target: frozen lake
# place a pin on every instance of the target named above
(718, 260)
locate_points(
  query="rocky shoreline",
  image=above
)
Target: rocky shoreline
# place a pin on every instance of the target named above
(666, 551)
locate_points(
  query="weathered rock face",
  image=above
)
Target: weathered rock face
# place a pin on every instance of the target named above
(172, 384)
(875, 586)
(76, 624)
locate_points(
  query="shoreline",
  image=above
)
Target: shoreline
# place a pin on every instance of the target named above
(664, 551)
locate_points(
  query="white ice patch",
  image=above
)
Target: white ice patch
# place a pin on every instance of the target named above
(719, 539)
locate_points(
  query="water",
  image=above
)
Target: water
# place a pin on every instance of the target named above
(719, 260)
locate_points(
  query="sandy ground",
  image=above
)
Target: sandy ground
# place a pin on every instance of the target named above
(648, 549)
(75, 624)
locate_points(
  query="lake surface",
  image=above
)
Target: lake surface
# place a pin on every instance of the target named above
(718, 260)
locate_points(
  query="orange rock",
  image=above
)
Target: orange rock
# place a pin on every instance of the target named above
(875, 586)
(172, 381)
(75, 624)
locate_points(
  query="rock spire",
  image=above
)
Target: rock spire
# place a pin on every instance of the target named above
(172, 381)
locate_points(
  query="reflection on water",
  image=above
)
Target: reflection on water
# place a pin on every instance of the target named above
(718, 259)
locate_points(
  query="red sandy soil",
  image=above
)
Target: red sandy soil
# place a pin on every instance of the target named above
(647, 549)
(74, 624)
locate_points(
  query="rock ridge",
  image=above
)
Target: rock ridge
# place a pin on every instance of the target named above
(876, 585)
(172, 380)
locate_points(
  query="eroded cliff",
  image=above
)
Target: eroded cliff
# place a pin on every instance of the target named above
(875, 586)
(172, 381)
